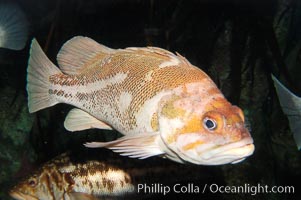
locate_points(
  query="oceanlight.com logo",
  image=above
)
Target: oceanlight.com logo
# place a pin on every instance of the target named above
(249, 189)
(191, 188)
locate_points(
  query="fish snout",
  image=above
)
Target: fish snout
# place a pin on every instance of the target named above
(20, 196)
(202, 151)
(236, 133)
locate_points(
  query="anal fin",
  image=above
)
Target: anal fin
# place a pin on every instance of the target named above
(81, 196)
(135, 146)
(78, 120)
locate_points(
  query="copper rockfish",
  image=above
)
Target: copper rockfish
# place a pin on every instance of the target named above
(162, 104)
(62, 178)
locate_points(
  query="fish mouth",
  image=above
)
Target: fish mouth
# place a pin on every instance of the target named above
(212, 154)
(231, 155)
(21, 196)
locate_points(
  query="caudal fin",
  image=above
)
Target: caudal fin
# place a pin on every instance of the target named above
(38, 85)
(13, 27)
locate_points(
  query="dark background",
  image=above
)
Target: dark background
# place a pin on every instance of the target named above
(238, 43)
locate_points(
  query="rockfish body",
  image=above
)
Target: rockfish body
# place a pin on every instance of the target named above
(159, 101)
(62, 178)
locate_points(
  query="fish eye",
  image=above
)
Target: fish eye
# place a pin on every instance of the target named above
(210, 124)
(32, 182)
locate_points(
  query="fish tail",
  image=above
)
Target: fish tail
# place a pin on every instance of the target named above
(38, 85)
(13, 27)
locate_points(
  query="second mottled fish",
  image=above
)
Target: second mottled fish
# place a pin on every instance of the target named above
(62, 178)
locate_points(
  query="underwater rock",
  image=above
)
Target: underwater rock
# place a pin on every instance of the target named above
(16, 122)
(16, 152)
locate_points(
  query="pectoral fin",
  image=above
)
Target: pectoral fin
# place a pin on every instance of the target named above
(135, 146)
(78, 120)
(291, 106)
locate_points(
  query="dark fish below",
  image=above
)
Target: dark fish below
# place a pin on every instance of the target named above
(101, 174)
(62, 178)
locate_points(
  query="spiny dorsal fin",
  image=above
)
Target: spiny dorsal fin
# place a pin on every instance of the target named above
(135, 146)
(77, 52)
(78, 120)
(168, 58)
(147, 50)
(182, 58)
(154, 51)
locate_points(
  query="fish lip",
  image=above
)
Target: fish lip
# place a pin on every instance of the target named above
(222, 149)
(249, 149)
(16, 195)
(213, 154)
(21, 196)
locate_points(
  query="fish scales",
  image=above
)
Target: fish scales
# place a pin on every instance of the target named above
(136, 67)
(161, 103)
